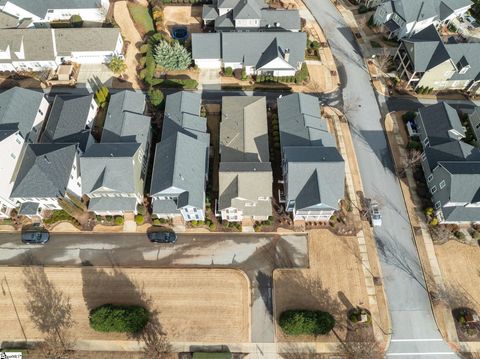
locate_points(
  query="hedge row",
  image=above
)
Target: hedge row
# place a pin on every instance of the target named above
(120, 319)
(306, 322)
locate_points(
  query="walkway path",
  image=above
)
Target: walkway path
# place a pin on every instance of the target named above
(130, 35)
(415, 334)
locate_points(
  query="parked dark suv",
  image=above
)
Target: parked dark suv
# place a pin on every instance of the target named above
(37, 236)
(162, 237)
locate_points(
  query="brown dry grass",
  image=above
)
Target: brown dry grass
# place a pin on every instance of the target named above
(209, 305)
(189, 16)
(334, 283)
(460, 266)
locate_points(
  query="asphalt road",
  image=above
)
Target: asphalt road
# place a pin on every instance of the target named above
(256, 254)
(414, 332)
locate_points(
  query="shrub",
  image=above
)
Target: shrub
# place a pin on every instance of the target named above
(108, 218)
(156, 97)
(228, 71)
(142, 74)
(172, 56)
(212, 226)
(156, 222)
(119, 220)
(144, 48)
(414, 145)
(163, 221)
(476, 235)
(315, 45)
(370, 22)
(362, 9)
(194, 223)
(299, 322)
(301, 74)
(244, 74)
(409, 116)
(76, 21)
(139, 219)
(142, 62)
(120, 319)
(429, 211)
(459, 235)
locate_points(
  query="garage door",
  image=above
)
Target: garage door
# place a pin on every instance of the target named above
(209, 63)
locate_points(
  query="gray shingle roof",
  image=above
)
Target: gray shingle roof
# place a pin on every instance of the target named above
(248, 9)
(209, 12)
(206, 46)
(85, 39)
(182, 113)
(280, 19)
(300, 122)
(451, 151)
(112, 204)
(29, 208)
(67, 120)
(18, 109)
(248, 47)
(426, 49)
(40, 7)
(7, 21)
(44, 170)
(180, 163)
(415, 10)
(110, 166)
(316, 176)
(464, 181)
(243, 129)
(437, 120)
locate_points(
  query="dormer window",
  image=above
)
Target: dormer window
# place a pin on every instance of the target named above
(463, 66)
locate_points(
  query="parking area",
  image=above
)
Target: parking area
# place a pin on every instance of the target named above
(93, 76)
(192, 305)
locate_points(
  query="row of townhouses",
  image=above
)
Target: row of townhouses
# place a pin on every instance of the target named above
(49, 156)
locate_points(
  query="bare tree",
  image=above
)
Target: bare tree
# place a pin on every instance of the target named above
(156, 342)
(412, 160)
(53, 347)
(384, 60)
(440, 234)
(50, 311)
(360, 344)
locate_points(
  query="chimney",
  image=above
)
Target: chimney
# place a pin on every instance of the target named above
(286, 55)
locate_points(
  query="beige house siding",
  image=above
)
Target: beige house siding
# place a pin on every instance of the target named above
(437, 77)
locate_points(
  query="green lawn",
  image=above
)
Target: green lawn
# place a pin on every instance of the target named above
(141, 17)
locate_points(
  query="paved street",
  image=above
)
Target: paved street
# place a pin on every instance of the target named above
(414, 333)
(257, 255)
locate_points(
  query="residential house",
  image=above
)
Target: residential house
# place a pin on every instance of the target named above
(313, 169)
(40, 13)
(425, 61)
(267, 53)
(70, 121)
(474, 120)
(22, 113)
(46, 49)
(249, 15)
(113, 171)
(245, 173)
(403, 18)
(180, 168)
(47, 172)
(451, 166)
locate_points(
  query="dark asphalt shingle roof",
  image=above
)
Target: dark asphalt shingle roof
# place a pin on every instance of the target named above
(67, 119)
(44, 170)
(437, 120)
(18, 108)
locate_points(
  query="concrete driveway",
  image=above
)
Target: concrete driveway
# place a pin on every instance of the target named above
(414, 332)
(256, 254)
(209, 79)
(92, 76)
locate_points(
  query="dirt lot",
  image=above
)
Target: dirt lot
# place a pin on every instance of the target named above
(334, 282)
(460, 266)
(189, 16)
(195, 305)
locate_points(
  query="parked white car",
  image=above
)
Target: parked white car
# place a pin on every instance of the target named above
(375, 215)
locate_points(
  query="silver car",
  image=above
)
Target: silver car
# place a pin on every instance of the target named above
(375, 215)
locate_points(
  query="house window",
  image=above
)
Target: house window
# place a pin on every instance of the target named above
(424, 156)
(425, 141)
(18, 141)
(442, 184)
(41, 112)
(91, 106)
(433, 189)
(13, 156)
(438, 205)
(430, 178)
(71, 177)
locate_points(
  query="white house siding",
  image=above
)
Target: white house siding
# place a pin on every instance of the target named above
(232, 214)
(10, 150)
(93, 15)
(92, 112)
(223, 11)
(38, 122)
(7, 67)
(208, 63)
(33, 65)
(236, 65)
(90, 57)
(75, 182)
(254, 23)
(314, 216)
(192, 214)
(18, 12)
